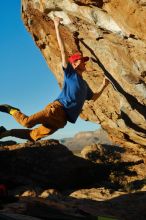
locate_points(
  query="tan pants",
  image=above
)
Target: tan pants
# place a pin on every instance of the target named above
(51, 118)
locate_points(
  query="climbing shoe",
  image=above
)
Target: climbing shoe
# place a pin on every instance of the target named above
(2, 129)
(7, 108)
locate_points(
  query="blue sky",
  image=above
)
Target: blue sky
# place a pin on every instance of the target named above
(25, 80)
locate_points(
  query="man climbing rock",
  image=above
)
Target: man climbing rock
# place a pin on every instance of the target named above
(66, 107)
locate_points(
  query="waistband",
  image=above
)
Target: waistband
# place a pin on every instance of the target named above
(58, 103)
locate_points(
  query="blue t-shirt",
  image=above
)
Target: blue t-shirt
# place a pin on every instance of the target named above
(74, 93)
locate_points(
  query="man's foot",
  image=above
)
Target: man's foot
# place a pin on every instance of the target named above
(7, 108)
(2, 130)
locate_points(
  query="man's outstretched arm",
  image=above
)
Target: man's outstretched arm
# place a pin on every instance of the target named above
(60, 42)
(100, 90)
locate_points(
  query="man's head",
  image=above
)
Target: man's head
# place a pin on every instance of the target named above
(78, 61)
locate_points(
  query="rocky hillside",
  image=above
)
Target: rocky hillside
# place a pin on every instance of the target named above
(112, 34)
(44, 180)
(82, 139)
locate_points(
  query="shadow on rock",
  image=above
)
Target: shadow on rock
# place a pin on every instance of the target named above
(50, 164)
(121, 172)
(126, 206)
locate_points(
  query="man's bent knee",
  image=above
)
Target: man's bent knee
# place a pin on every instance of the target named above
(41, 132)
(27, 124)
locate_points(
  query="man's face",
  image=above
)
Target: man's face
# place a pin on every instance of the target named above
(79, 65)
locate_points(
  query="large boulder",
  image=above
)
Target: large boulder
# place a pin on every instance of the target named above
(47, 163)
(49, 182)
(112, 34)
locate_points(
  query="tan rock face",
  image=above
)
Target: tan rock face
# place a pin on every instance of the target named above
(113, 34)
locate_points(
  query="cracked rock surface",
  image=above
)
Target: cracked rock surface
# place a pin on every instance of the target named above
(113, 34)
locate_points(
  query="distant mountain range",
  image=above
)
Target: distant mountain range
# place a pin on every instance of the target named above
(82, 139)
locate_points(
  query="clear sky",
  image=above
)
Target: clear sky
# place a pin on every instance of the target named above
(25, 80)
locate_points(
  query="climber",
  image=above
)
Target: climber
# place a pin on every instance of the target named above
(66, 107)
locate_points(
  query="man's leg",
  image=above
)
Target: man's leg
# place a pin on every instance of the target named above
(18, 133)
(28, 134)
(52, 118)
(41, 132)
(52, 115)
(28, 121)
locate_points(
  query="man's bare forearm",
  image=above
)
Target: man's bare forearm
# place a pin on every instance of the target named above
(60, 41)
